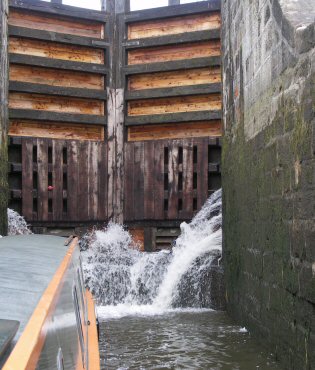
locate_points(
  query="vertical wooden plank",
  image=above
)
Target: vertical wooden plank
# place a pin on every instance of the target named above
(83, 181)
(202, 171)
(42, 190)
(27, 178)
(138, 180)
(158, 180)
(173, 180)
(188, 168)
(93, 179)
(102, 182)
(57, 173)
(149, 180)
(72, 179)
(129, 174)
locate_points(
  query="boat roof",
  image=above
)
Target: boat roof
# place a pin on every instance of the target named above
(27, 265)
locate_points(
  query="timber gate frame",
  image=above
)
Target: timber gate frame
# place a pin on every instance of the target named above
(134, 159)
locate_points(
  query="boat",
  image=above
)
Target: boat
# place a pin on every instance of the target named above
(47, 317)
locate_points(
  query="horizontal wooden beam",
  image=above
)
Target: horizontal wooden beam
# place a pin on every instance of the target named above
(173, 65)
(173, 39)
(59, 9)
(173, 91)
(47, 116)
(173, 11)
(57, 90)
(57, 37)
(173, 118)
(31, 60)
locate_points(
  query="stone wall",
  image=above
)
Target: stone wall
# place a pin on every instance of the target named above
(3, 115)
(269, 173)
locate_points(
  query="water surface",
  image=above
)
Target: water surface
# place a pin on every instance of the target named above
(180, 340)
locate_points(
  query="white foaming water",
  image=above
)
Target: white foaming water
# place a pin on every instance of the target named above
(126, 281)
(17, 224)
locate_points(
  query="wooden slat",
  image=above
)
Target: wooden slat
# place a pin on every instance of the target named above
(55, 77)
(202, 172)
(149, 180)
(102, 182)
(27, 179)
(42, 192)
(72, 179)
(93, 180)
(174, 105)
(173, 52)
(175, 131)
(83, 180)
(138, 180)
(173, 180)
(188, 77)
(187, 179)
(172, 26)
(159, 180)
(57, 197)
(129, 188)
(42, 21)
(56, 130)
(55, 50)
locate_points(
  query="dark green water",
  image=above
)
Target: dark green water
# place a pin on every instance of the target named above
(205, 340)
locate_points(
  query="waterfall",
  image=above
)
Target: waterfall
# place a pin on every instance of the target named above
(127, 281)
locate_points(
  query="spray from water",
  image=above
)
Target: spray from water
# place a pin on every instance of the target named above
(127, 281)
(17, 224)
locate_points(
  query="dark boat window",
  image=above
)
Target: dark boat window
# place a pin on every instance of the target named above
(79, 321)
(60, 364)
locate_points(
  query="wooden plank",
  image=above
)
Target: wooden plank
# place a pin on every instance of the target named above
(173, 180)
(27, 179)
(26, 87)
(48, 62)
(55, 50)
(63, 38)
(173, 117)
(175, 131)
(72, 179)
(175, 104)
(57, 173)
(48, 116)
(42, 192)
(188, 166)
(102, 182)
(46, 22)
(149, 180)
(173, 65)
(159, 80)
(174, 52)
(158, 180)
(56, 130)
(129, 181)
(174, 11)
(173, 91)
(58, 10)
(83, 179)
(19, 100)
(202, 172)
(93, 180)
(55, 77)
(173, 39)
(174, 26)
(138, 181)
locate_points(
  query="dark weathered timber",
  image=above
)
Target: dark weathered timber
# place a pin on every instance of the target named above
(172, 65)
(187, 179)
(202, 173)
(173, 118)
(4, 122)
(57, 90)
(83, 180)
(158, 170)
(138, 180)
(27, 179)
(149, 176)
(173, 179)
(42, 179)
(62, 38)
(31, 60)
(173, 91)
(57, 178)
(59, 9)
(173, 11)
(173, 39)
(129, 190)
(72, 179)
(47, 116)
(102, 181)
